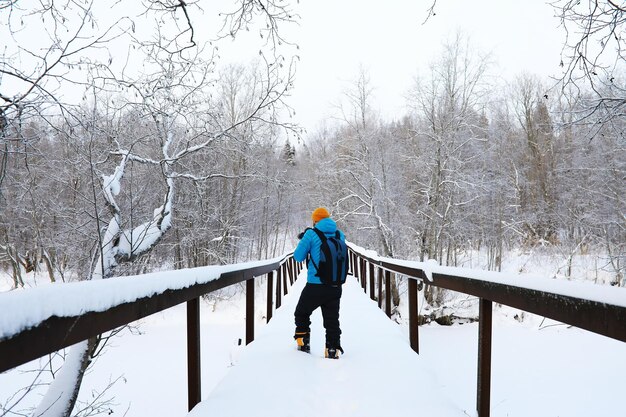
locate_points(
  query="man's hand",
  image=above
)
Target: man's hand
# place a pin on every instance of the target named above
(302, 233)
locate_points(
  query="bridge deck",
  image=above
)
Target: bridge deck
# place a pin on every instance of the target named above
(378, 376)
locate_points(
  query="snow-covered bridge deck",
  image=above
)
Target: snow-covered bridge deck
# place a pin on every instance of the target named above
(380, 375)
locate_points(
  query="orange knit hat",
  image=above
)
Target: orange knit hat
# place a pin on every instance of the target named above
(319, 214)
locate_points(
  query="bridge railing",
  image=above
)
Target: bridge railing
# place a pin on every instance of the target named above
(59, 330)
(598, 316)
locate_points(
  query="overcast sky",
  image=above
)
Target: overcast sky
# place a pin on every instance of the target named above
(391, 41)
(387, 38)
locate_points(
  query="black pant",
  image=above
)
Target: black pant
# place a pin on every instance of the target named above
(327, 297)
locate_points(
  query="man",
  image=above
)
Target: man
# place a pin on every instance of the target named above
(317, 293)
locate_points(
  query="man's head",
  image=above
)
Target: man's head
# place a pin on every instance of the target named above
(319, 214)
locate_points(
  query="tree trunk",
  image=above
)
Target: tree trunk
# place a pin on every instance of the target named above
(15, 266)
(49, 264)
(62, 393)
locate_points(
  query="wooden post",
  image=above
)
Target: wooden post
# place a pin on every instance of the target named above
(380, 287)
(270, 295)
(372, 283)
(289, 266)
(388, 293)
(193, 353)
(285, 286)
(249, 310)
(483, 397)
(364, 275)
(278, 284)
(413, 309)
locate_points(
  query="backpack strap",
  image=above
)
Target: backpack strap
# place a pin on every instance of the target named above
(319, 233)
(322, 237)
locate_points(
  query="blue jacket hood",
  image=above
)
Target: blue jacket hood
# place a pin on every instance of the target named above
(327, 225)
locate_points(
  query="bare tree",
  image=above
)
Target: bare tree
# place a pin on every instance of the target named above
(446, 104)
(594, 49)
(537, 163)
(592, 57)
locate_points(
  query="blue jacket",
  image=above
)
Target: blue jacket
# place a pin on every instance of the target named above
(310, 243)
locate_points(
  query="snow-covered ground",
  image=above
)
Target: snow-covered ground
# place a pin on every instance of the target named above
(539, 369)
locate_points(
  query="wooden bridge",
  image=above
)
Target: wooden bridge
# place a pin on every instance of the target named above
(53, 330)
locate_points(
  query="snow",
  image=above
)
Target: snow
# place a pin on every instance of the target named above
(551, 371)
(29, 307)
(378, 376)
(111, 183)
(583, 290)
(106, 260)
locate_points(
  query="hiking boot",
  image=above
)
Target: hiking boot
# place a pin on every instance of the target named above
(333, 353)
(303, 341)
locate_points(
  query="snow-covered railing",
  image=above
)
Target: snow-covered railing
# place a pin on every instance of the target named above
(595, 308)
(39, 321)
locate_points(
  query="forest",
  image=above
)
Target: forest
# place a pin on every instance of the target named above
(182, 175)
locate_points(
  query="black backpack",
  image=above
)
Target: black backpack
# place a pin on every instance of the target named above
(333, 266)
